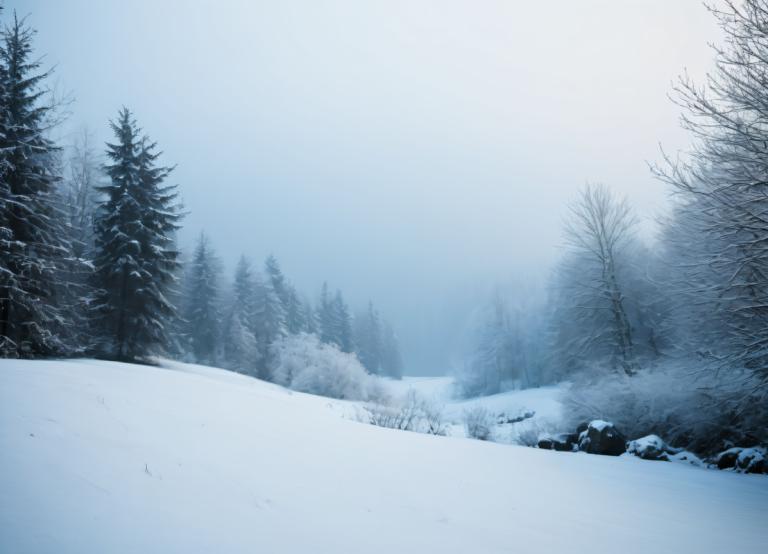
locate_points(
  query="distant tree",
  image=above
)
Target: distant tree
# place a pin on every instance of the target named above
(391, 359)
(33, 241)
(270, 323)
(241, 349)
(599, 234)
(136, 258)
(202, 302)
(368, 339)
(342, 323)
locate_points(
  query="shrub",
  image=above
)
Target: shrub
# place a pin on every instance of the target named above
(478, 422)
(305, 364)
(413, 413)
(695, 410)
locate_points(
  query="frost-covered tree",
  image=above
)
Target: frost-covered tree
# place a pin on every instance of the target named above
(591, 303)
(719, 234)
(136, 258)
(85, 175)
(241, 351)
(368, 339)
(33, 241)
(391, 359)
(270, 323)
(201, 310)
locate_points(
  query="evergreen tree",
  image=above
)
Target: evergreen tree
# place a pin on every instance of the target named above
(325, 323)
(391, 360)
(240, 345)
(368, 339)
(342, 323)
(32, 240)
(202, 308)
(136, 258)
(295, 313)
(269, 323)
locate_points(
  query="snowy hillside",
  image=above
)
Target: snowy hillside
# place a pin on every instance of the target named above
(107, 457)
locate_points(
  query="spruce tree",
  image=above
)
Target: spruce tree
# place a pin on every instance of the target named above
(368, 339)
(342, 323)
(270, 323)
(239, 342)
(202, 302)
(136, 259)
(32, 240)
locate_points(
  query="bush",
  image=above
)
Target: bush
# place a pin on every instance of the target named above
(478, 422)
(413, 413)
(697, 411)
(305, 364)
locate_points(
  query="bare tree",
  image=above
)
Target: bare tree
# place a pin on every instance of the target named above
(723, 185)
(598, 232)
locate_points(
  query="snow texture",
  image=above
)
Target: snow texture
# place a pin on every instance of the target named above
(109, 457)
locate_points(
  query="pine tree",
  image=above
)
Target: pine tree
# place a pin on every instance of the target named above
(32, 240)
(202, 308)
(136, 259)
(391, 360)
(270, 323)
(368, 339)
(240, 345)
(342, 323)
(325, 323)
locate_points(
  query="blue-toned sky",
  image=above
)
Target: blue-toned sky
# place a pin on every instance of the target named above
(411, 152)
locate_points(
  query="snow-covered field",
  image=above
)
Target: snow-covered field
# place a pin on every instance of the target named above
(106, 457)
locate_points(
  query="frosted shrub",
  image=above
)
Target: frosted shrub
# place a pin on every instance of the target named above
(412, 413)
(478, 422)
(695, 410)
(305, 364)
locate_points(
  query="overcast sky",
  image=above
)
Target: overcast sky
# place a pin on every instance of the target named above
(411, 152)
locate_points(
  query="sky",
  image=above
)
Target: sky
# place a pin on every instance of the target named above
(414, 153)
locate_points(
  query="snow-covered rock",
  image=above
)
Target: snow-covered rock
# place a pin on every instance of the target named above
(602, 437)
(651, 447)
(745, 460)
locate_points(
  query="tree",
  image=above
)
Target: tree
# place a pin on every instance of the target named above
(81, 193)
(241, 350)
(32, 239)
(391, 360)
(368, 339)
(599, 234)
(269, 323)
(202, 302)
(720, 230)
(136, 259)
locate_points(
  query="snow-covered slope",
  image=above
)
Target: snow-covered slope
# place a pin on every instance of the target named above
(106, 457)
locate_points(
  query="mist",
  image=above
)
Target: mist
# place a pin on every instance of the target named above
(412, 153)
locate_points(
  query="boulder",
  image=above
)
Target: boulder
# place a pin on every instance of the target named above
(743, 460)
(602, 437)
(565, 442)
(651, 447)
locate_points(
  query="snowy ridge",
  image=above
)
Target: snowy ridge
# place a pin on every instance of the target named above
(108, 457)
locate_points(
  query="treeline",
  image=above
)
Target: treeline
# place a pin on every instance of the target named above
(89, 261)
(240, 326)
(668, 336)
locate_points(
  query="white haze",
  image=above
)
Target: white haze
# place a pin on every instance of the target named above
(411, 152)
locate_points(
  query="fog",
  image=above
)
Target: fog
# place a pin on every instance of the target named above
(413, 153)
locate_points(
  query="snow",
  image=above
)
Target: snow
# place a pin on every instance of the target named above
(108, 457)
(599, 425)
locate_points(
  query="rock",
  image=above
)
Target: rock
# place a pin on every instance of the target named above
(727, 459)
(743, 460)
(564, 442)
(601, 437)
(651, 447)
(686, 457)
